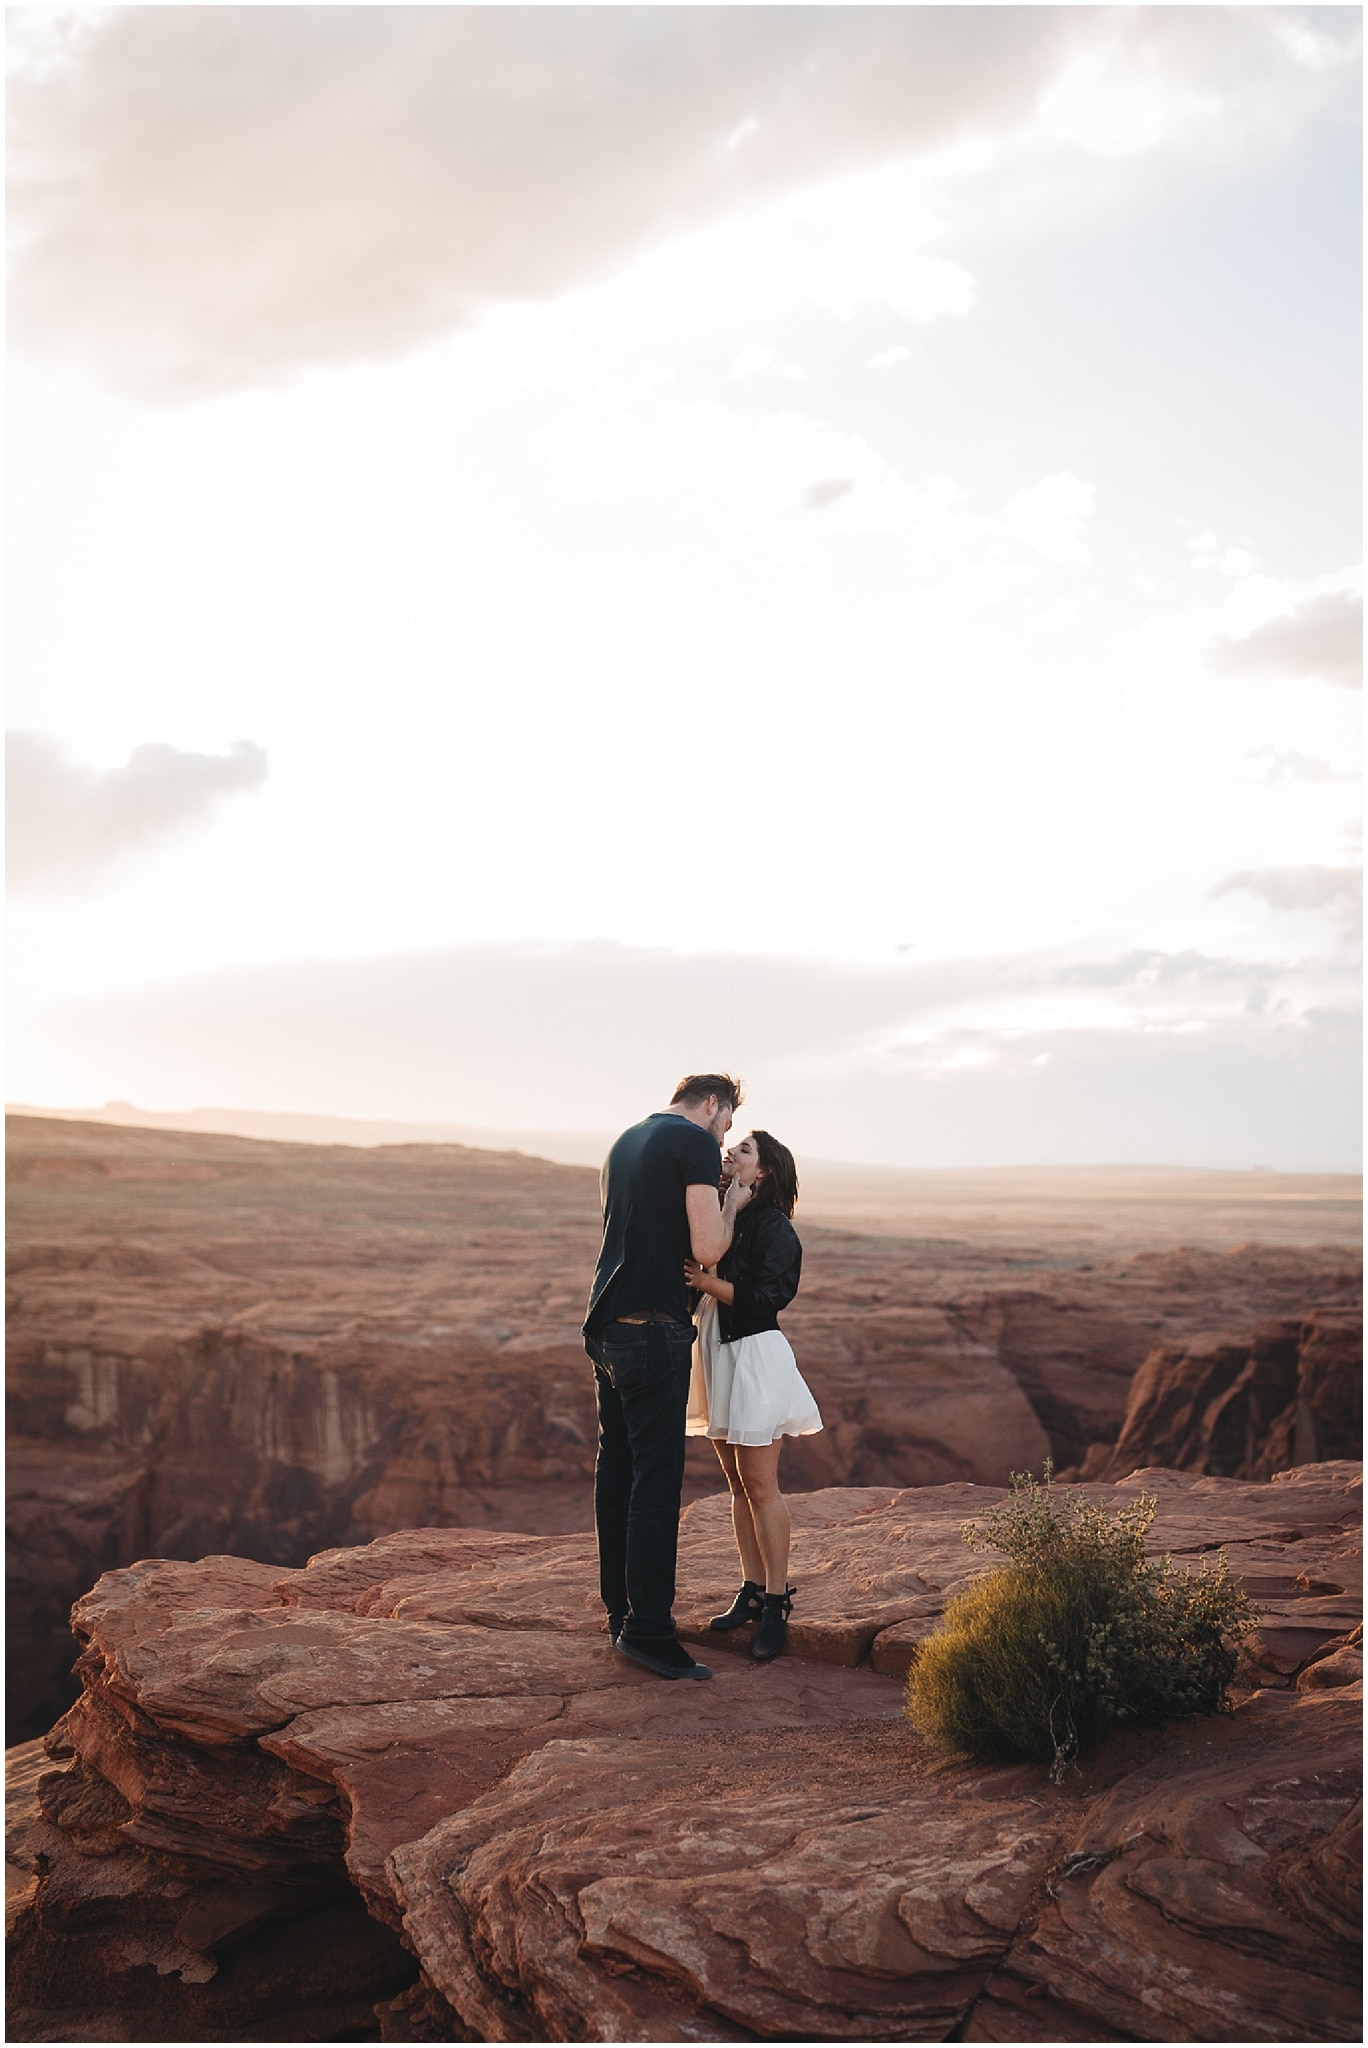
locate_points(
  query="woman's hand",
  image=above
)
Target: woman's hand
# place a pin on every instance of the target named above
(707, 1282)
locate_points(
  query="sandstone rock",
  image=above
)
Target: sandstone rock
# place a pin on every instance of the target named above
(1073, 1356)
(25, 1764)
(1244, 1409)
(1341, 1668)
(1326, 1418)
(840, 1886)
(572, 1849)
(403, 1766)
(1325, 1881)
(1169, 1918)
(808, 1889)
(1076, 1345)
(121, 1947)
(71, 1514)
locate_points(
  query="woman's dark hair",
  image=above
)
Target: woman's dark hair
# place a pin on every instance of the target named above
(779, 1188)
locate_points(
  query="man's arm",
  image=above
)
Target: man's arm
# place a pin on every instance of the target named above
(710, 1227)
(708, 1283)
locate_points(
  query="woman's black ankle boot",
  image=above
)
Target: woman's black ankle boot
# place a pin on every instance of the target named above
(745, 1607)
(768, 1640)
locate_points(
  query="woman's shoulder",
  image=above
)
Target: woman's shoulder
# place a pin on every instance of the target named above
(772, 1223)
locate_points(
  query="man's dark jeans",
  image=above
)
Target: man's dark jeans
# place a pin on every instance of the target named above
(641, 1379)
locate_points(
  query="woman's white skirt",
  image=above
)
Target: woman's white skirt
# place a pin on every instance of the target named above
(750, 1392)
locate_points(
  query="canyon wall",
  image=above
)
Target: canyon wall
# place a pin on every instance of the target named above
(1289, 1394)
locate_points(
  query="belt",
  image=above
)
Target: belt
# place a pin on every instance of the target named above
(650, 1315)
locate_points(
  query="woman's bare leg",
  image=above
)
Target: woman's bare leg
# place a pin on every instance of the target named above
(752, 1561)
(758, 1468)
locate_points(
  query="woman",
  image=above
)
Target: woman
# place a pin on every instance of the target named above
(746, 1393)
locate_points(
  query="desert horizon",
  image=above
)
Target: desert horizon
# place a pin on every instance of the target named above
(1097, 1203)
(570, 1147)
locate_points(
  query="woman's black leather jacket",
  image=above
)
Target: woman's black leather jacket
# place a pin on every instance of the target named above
(763, 1264)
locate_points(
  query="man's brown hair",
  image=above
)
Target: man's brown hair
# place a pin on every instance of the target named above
(696, 1088)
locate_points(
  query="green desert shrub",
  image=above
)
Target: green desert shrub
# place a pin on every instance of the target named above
(1077, 1632)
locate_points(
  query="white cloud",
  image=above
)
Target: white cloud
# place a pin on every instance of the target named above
(1336, 891)
(1322, 636)
(743, 472)
(763, 360)
(751, 473)
(842, 246)
(208, 197)
(1104, 108)
(1297, 767)
(67, 824)
(828, 490)
(1313, 628)
(1051, 517)
(1309, 47)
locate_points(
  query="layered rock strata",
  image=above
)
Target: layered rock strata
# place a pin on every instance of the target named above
(1290, 1394)
(552, 1844)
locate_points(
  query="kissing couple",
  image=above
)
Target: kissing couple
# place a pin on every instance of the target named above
(699, 1255)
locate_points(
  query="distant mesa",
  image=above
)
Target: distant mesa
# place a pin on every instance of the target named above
(570, 1148)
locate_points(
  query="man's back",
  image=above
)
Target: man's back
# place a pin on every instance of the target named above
(645, 1218)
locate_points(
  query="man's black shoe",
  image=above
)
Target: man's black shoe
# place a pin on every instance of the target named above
(668, 1659)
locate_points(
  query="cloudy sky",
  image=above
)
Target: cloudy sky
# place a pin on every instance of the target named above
(552, 546)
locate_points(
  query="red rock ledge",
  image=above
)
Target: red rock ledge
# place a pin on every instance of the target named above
(412, 1779)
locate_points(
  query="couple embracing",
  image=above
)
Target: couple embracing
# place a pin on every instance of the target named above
(699, 1255)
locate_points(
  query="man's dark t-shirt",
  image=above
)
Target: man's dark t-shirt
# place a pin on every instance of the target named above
(645, 1221)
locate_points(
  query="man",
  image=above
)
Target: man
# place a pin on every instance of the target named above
(659, 1186)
